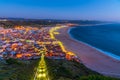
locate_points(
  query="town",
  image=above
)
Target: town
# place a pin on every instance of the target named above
(25, 43)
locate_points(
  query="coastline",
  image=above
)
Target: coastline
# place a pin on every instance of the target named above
(105, 52)
(91, 57)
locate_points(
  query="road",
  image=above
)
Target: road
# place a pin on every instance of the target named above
(42, 73)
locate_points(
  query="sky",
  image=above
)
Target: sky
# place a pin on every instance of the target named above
(107, 10)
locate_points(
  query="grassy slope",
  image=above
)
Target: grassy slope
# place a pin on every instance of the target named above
(58, 70)
(22, 71)
(70, 70)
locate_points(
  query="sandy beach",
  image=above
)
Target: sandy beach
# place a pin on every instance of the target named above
(90, 57)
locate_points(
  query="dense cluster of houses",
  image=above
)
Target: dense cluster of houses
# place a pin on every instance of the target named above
(28, 43)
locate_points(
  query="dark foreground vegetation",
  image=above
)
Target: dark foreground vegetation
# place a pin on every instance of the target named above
(70, 70)
(13, 69)
(18, 70)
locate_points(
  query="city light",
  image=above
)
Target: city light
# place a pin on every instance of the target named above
(26, 43)
(42, 73)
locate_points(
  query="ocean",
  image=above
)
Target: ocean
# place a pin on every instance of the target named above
(105, 38)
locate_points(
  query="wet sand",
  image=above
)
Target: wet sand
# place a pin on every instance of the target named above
(91, 58)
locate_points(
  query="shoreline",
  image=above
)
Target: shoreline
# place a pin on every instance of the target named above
(116, 57)
(91, 58)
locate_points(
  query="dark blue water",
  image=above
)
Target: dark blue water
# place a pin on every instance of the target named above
(104, 37)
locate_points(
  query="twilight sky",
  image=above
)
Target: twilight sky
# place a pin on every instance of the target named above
(62, 9)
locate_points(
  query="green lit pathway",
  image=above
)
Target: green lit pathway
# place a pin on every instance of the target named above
(42, 73)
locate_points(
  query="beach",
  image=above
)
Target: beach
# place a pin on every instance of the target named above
(90, 57)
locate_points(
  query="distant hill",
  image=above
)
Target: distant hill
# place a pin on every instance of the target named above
(10, 22)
